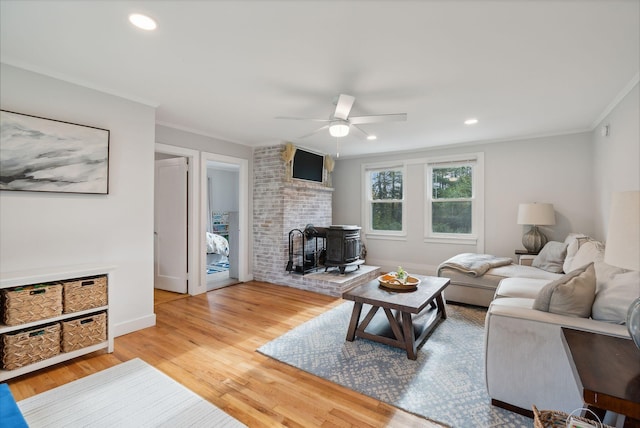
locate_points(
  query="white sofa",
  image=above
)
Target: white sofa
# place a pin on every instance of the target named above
(525, 360)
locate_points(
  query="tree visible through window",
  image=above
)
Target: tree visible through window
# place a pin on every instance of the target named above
(451, 199)
(386, 199)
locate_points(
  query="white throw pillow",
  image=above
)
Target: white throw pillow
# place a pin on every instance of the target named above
(573, 241)
(590, 251)
(614, 297)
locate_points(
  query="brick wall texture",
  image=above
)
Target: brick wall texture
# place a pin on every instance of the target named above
(281, 204)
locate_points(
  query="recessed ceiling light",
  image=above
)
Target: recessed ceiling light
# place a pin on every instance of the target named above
(371, 137)
(472, 121)
(142, 21)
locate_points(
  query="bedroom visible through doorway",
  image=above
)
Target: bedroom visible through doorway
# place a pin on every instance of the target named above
(222, 224)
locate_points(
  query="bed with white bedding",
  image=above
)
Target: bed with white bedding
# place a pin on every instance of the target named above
(217, 244)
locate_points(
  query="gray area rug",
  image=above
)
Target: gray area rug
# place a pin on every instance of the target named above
(131, 394)
(445, 384)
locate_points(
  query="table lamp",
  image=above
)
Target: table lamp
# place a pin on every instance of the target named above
(623, 246)
(536, 215)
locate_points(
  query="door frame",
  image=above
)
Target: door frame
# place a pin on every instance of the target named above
(195, 237)
(243, 211)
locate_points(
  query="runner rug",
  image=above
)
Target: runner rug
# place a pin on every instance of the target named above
(445, 384)
(131, 394)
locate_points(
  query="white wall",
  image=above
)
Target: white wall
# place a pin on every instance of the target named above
(224, 189)
(556, 169)
(190, 140)
(616, 157)
(40, 230)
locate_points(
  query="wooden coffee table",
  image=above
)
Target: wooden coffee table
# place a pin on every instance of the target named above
(410, 316)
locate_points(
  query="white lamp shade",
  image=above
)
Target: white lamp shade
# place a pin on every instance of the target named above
(339, 129)
(536, 214)
(623, 238)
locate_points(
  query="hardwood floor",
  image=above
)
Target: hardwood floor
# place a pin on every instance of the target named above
(208, 343)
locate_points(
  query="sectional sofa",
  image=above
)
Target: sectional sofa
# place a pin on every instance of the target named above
(525, 360)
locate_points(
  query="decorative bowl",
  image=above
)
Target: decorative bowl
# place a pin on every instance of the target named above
(390, 281)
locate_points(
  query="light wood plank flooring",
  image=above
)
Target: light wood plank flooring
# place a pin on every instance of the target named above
(208, 343)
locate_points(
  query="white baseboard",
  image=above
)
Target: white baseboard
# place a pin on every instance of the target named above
(134, 325)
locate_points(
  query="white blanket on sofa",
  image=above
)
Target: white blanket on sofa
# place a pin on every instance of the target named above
(474, 264)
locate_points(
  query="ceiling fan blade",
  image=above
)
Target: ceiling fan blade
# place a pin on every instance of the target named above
(360, 130)
(360, 120)
(303, 118)
(314, 132)
(343, 106)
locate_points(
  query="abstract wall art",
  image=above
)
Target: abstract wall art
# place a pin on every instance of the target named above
(45, 155)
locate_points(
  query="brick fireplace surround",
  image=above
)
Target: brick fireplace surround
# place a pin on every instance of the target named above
(281, 204)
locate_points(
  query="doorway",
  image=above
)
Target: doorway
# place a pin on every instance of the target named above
(224, 213)
(197, 213)
(222, 224)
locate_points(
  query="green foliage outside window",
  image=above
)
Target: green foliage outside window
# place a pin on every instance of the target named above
(452, 183)
(386, 194)
(449, 214)
(386, 216)
(451, 217)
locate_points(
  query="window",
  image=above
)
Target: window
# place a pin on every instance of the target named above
(453, 206)
(385, 200)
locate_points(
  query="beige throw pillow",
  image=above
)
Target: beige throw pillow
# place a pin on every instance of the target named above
(571, 295)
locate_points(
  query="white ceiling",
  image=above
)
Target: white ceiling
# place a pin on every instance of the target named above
(226, 69)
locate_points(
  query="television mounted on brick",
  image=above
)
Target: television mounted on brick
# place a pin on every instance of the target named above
(308, 166)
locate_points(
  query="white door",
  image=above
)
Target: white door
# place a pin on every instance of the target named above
(170, 270)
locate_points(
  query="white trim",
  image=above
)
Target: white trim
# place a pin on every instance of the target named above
(616, 100)
(366, 169)
(243, 213)
(130, 326)
(69, 79)
(386, 237)
(195, 272)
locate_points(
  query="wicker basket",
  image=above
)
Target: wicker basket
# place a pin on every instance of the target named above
(26, 347)
(85, 293)
(31, 303)
(79, 333)
(556, 419)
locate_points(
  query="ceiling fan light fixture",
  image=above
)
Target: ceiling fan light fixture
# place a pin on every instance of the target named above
(339, 129)
(143, 22)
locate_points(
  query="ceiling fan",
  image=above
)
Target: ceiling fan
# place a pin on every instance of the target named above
(339, 123)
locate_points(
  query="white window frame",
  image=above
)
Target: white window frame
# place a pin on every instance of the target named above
(476, 237)
(368, 201)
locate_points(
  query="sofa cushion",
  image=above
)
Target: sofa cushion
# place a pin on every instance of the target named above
(615, 296)
(527, 288)
(551, 257)
(571, 295)
(573, 241)
(590, 251)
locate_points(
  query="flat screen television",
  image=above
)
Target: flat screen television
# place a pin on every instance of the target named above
(308, 166)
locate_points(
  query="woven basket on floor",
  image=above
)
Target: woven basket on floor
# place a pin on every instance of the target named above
(556, 419)
(79, 333)
(26, 347)
(85, 293)
(31, 303)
